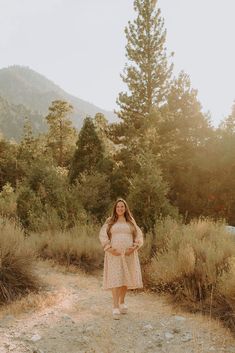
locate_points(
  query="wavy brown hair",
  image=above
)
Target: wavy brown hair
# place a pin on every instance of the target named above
(128, 216)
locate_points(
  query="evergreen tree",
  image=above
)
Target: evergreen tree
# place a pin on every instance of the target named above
(89, 154)
(228, 124)
(102, 128)
(182, 134)
(148, 192)
(62, 134)
(147, 75)
(28, 145)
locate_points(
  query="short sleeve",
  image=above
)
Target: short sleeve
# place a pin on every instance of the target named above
(139, 240)
(103, 237)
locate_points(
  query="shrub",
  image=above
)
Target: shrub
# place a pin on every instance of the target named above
(16, 263)
(8, 201)
(46, 201)
(195, 263)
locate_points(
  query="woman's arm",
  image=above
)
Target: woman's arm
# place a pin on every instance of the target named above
(105, 241)
(103, 237)
(139, 240)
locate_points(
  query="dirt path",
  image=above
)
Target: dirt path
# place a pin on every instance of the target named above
(74, 316)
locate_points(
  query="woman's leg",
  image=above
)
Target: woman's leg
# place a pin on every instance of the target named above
(115, 293)
(122, 294)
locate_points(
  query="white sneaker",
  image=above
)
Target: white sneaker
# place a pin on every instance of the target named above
(123, 308)
(116, 314)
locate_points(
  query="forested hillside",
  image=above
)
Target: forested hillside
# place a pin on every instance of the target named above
(31, 94)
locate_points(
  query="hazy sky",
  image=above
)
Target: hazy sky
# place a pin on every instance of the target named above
(80, 45)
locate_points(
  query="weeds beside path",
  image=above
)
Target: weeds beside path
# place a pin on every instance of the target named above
(73, 314)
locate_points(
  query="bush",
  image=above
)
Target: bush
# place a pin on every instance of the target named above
(195, 263)
(46, 201)
(16, 264)
(79, 246)
(8, 202)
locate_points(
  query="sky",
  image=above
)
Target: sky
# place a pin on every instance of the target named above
(80, 45)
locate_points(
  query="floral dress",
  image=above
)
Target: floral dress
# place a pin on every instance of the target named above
(122, 270)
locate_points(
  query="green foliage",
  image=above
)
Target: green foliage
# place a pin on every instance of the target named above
(89, 154)
(182, 134)
(148, 193)
(94, 193)
(8, 202)
(47, 201)
(9, 170)
(29, 207)
(61, 134)
(147, 73)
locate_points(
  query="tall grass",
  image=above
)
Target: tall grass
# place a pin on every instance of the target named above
(17, 276)
(78, 246)
(195, 263)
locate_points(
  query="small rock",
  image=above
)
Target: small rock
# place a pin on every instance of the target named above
(67, 317)
(179, 318)
(150, 344)
(169, 335)
(35, 338)
(186, 337)
(89, 328)
(212, 349)
(148, 327)
(176, 330)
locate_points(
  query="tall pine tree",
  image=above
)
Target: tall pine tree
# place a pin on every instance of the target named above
(147, 74)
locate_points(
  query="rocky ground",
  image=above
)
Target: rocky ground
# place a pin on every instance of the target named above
(74, 315)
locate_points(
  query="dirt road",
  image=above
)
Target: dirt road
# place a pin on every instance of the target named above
(74, 315)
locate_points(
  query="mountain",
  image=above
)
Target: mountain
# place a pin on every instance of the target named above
(25, 92)
(12, 120)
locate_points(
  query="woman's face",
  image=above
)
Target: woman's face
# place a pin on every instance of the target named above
(120, 208)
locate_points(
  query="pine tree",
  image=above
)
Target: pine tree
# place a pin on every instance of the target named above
(61, 133)
(89, 154)
(228, 124)
(147, 75)
(183, 133)
(27, 146)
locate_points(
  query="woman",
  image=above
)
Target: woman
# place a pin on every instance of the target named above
(121, 238)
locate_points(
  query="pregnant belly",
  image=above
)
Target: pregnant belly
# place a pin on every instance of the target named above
(122, 242)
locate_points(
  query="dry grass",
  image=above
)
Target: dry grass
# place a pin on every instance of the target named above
(31, 302)
(79, 247)
(195, 264)
(17, 275)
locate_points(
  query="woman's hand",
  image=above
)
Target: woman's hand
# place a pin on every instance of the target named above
(114, 252)
(130, 250)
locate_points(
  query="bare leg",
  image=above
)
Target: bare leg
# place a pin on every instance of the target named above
(115, 293)
(122, 294)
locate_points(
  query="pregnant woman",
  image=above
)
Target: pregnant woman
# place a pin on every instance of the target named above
(121, 238)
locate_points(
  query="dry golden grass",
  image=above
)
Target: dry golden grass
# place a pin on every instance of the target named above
(79, 247)
(31, 302)
(195, 264)
(17, 275)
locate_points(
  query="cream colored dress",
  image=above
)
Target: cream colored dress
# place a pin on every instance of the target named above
(123, 270)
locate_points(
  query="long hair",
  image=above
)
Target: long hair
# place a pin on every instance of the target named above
(128, 216)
